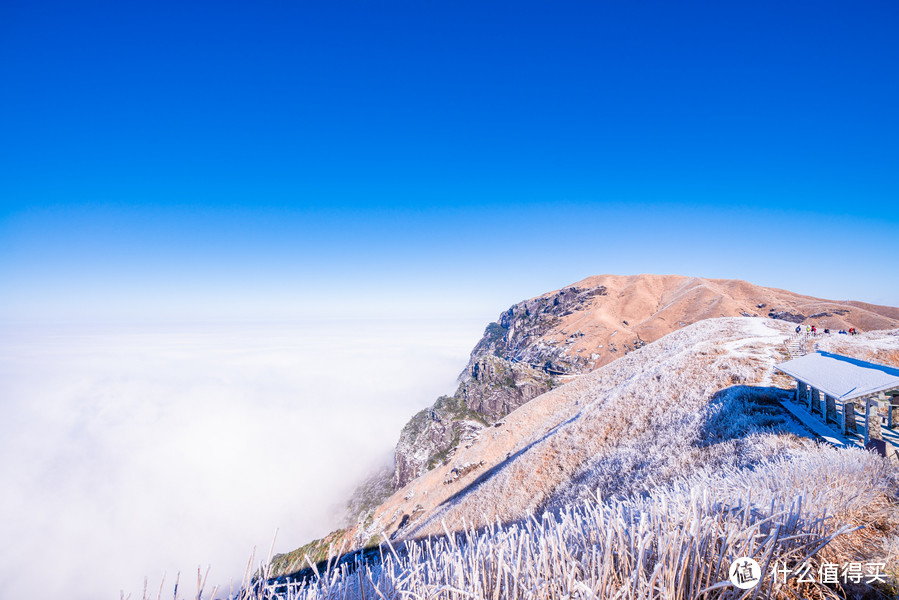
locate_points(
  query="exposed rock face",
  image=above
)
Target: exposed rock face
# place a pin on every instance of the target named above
(428, 438)
(794, 318)
(519, 333)
(510, 365)
(492, 388)
(369, 494)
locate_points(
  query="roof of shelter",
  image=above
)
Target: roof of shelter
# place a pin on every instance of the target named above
(839, 376)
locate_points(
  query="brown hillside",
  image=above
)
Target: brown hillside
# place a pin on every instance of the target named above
(644, 308)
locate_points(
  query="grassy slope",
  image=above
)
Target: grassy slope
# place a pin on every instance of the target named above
(675, 404)
(675, 543)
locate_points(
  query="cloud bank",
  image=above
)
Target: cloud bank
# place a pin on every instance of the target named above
(135, 451)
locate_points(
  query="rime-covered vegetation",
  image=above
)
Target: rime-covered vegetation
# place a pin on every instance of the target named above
(819, 506)
(700, 397)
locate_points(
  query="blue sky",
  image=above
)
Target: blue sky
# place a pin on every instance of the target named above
(194, 160)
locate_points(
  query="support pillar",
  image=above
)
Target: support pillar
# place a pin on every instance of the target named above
(848, 424)
(873, 435)
(815, 402)
(893, 412)
(807, 396)
(830, 409)
(872, 421)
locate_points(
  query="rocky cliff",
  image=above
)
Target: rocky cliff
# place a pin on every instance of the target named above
(511, 364)
(493, 387)
(520, 333)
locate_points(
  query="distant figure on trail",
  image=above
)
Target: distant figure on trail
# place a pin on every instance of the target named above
(852, 331)
(843, 331)
(827, 331)
(814, 330)
(798, 329)
(808, 329)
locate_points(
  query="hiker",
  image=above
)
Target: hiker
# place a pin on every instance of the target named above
(798, 329)
(808, 330)
(814, 330)
(826, 331)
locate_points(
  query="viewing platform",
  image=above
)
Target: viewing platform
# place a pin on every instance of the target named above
(846, 400)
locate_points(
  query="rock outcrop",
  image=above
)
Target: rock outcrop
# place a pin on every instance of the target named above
(510, 365)
(520, 333)
(492, 387)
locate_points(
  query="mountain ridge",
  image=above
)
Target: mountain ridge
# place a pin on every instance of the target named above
(586, 325)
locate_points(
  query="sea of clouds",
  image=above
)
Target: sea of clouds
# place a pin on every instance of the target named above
(134, 451)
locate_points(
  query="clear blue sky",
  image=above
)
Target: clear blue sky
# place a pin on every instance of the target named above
(167, 159)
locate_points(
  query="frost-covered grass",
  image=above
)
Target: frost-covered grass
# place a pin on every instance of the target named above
(876, 346)
(684, 402)
(677, 542)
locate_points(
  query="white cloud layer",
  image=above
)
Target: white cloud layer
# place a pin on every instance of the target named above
(138, 451)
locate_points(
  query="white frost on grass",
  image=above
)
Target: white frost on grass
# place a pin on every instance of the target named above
(649, 416)
(759, 333)
(674, 544)
(764, 339)
(870, 340)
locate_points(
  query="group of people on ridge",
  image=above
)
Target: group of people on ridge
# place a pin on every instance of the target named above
(812, 330)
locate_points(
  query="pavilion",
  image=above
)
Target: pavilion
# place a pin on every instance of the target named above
(832, 386)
